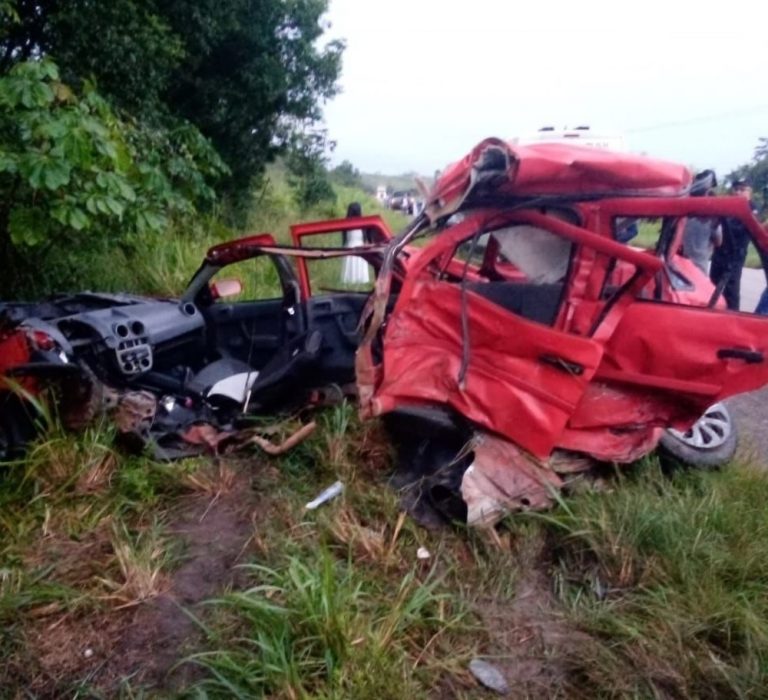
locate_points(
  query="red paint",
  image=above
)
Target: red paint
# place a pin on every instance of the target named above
(238, 250)
(650, 356)
(375, 227)
(14, 351)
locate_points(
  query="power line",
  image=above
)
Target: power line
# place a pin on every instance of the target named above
(700, 120)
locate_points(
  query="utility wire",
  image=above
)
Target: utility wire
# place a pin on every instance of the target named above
(700, 120)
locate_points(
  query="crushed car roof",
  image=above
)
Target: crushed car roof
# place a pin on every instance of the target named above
(501, 169)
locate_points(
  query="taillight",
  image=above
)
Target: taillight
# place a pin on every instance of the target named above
(41, 340)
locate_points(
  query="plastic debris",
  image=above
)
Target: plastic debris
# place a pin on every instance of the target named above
(324, 496)
(489, 676)
(423, 553)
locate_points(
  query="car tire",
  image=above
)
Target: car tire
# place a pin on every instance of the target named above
(710, 442)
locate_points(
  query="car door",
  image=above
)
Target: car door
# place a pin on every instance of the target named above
(486, 344)
(679, 341)
(332, 297)
(263, 316)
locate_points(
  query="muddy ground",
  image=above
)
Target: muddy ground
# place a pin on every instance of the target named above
(143, 644)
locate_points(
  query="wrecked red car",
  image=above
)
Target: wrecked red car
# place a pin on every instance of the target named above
(512, 336)
(249, 336)
(527, 341)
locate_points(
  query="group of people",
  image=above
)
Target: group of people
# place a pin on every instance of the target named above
(725, 243)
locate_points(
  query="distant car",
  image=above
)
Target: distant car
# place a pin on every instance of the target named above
(398, 201)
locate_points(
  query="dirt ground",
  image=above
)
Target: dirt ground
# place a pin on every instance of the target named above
(143, 644)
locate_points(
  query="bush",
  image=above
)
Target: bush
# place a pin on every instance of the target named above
(75, 175)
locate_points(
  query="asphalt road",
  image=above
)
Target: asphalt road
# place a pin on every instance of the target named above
(752, 286)
(750, 411)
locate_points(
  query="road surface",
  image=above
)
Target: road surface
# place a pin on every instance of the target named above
(752, 286)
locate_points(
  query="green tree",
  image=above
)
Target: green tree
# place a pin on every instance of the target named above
(74, 174)
(307, 171)
(249, 74)
(757, 172)
(347, 175)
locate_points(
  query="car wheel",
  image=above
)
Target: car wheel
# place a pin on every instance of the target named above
(709, 442)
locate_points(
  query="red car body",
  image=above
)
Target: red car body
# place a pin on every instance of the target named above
(637, 341)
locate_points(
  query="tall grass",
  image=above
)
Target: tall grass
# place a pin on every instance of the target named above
(668, 577)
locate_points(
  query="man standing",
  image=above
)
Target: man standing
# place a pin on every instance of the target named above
(728, 259)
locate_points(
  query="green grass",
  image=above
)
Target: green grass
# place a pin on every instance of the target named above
(656, 584)
(666, 575)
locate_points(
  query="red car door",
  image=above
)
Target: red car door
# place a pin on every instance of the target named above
(488, 348)
(696, 354)
(302, 236)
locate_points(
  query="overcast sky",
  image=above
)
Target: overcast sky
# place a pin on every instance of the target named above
(424, 80)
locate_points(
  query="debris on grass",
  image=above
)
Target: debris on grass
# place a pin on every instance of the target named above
(489, 676)
(326, 495)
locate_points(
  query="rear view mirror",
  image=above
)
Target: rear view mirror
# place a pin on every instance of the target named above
(221, 289)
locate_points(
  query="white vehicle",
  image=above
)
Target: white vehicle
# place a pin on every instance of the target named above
(581, 135)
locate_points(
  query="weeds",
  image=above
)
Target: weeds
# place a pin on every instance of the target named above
(667, 575)
(143, 558)
(319, 626)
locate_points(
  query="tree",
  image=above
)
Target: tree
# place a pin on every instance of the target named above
(244, 72)
(757, 173)
(74, 174)
(347, 174)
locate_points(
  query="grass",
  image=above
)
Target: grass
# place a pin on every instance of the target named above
(652, 588)
(655, 587)
(666, 575)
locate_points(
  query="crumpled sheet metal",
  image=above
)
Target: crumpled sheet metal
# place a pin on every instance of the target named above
(508, 390)
(502, 479)
(551, 168)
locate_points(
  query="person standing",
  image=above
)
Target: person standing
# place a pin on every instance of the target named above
(728, 259)
(354, 269)
(702, 234)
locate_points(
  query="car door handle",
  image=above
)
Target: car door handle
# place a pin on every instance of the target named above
(751, 357)
(562, 364)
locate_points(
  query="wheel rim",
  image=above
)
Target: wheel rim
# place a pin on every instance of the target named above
(711, 431)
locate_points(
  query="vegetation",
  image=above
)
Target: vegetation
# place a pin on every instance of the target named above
(652, 586)
(248, 74)
(757, 173)
(162, 115)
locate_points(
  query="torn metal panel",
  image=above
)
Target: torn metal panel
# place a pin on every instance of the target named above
(502, 479)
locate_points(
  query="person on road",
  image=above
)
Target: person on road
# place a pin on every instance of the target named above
(728, 259)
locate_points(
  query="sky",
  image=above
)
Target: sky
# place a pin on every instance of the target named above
(424, 80)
